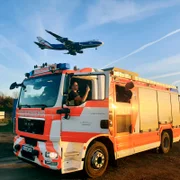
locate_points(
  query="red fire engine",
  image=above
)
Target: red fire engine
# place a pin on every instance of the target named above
(115, 121)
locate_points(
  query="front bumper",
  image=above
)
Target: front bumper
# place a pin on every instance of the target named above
(37, 153)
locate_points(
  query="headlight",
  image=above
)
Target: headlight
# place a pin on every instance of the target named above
(52, 155)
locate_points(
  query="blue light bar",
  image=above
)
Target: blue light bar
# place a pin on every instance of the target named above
(174, 90)
(31, 73)
(63, 66)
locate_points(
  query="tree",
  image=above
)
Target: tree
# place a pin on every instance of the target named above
(6, 103)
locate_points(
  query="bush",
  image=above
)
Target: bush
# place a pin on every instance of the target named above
(6, 120)
(7, 128)
(6, 104)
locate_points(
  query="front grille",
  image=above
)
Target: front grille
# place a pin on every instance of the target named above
(31, 125)
(28, 155)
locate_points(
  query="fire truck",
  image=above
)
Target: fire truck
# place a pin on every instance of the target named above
(58, 135)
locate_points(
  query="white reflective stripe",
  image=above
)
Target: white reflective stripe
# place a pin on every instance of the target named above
(146, 147)
(176, 139)
(18, 140)
(34, 118)
(57, 147)
(19, 155)
(137, 124)
(88, 121)
(60, 94)
(42, 147)
(55, 130)
(130, 151)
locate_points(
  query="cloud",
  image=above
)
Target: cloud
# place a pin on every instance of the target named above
(176, 82)
(108, 11)
(143, 47)
(14, 62)
(53, 15)
(31, 20)
(8, 76)
(160, 66)
(8, 49)
(164, 75)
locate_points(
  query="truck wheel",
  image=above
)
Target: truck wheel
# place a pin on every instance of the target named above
(96, 160)
(165, 143)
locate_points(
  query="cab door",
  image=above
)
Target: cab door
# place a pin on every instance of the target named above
(83, 121)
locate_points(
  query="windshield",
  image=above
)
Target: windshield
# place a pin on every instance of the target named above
(40, 92)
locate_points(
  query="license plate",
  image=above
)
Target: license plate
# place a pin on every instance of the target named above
(27, 148)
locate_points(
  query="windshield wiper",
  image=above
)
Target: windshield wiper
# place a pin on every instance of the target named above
(24, 105)
(41, 105)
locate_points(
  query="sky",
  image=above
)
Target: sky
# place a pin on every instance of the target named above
(140, 36)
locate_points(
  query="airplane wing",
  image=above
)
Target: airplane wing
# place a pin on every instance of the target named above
(65, 41)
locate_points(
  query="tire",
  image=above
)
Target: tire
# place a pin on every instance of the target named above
(165, 143)
(96, 160)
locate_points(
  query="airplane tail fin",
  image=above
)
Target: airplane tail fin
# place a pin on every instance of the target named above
(41, 40)
(40, 45)
(43, 44)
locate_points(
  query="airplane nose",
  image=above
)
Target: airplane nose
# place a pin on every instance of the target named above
(102, 43)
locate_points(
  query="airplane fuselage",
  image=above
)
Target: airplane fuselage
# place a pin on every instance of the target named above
(77, 45)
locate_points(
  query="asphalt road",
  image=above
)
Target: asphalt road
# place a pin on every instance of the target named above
(143, 166)
(146, 165)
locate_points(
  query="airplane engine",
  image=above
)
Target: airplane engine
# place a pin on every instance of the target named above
(80, 52)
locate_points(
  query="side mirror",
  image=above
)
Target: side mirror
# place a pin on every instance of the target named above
(65, 111)
(13, 85)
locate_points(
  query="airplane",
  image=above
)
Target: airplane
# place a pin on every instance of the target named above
(72, 47)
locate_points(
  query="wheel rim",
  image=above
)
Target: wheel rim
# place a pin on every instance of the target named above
(166, 142)
(98, 160)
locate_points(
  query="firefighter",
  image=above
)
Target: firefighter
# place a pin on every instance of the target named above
(127, 92)
(74, 98)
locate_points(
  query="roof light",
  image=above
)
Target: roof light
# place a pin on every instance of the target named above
(173, 90)
(63, 66)
(31, 73)
(47, 67)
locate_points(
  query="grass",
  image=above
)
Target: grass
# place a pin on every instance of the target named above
(7, 128)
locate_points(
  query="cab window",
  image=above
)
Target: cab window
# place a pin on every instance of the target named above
(124, 94)
(85, 88)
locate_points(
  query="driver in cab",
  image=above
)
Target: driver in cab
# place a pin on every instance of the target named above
(74, 98)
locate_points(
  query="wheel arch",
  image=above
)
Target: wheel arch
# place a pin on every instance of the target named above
(170, 132)
(107, 142)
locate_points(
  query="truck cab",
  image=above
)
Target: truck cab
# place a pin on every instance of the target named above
(50, 131)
